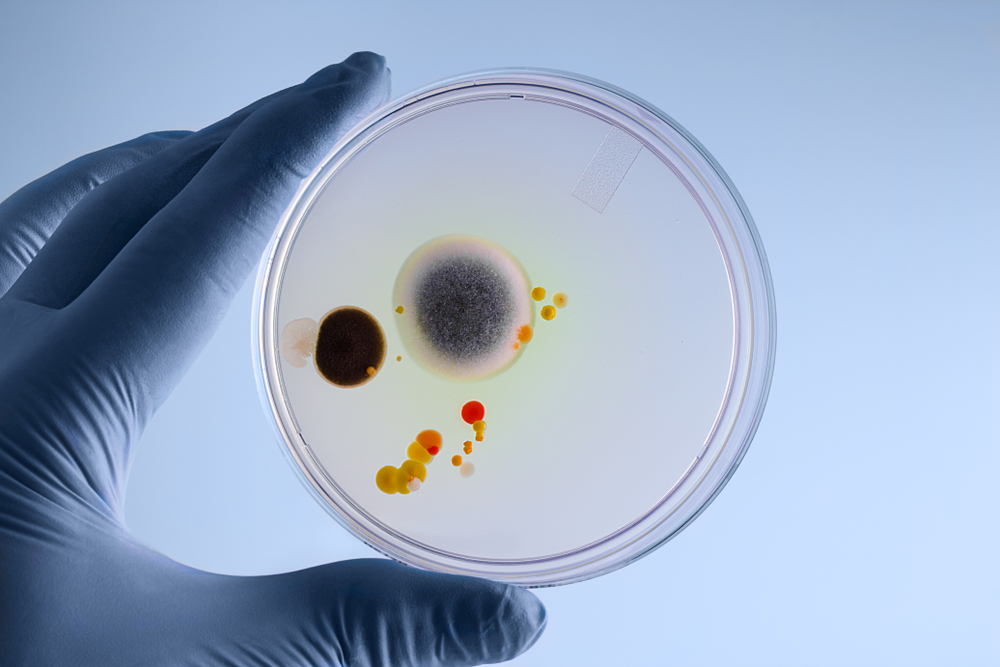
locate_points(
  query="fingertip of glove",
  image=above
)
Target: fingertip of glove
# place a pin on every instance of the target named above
(364, 64)
(368, 62)
(523, 614)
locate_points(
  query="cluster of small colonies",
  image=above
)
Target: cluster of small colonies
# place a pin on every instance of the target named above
(473, 413)
(559, 300)
(347, 345)
(411, 475)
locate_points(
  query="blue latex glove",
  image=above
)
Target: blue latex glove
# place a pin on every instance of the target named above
(114, 272)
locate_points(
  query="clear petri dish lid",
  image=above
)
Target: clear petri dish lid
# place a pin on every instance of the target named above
(456, 418)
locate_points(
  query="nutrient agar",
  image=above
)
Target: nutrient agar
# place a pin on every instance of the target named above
(514, 172)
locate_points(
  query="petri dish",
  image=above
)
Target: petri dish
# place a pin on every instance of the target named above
(573, 338)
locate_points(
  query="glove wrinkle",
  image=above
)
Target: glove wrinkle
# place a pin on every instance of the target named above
(30, 216)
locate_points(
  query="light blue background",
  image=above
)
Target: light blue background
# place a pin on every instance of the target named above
(862, 526)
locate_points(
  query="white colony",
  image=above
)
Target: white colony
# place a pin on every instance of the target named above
(298, 341)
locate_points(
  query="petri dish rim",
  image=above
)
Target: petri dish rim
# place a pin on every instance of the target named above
(754, 323)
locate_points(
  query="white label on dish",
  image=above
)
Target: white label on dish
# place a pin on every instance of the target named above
(607, 169)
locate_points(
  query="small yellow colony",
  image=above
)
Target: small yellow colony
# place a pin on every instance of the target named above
(559, 300)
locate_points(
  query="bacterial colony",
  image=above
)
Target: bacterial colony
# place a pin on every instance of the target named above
(465, 310)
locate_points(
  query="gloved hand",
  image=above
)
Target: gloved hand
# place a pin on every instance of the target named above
(114, 272)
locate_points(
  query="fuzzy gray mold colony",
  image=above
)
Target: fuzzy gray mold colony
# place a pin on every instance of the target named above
(460, 301)
(463, 307)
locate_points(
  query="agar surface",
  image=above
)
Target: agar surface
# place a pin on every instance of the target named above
(466, 311)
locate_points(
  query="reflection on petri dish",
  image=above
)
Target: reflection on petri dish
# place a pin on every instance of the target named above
(580, 311)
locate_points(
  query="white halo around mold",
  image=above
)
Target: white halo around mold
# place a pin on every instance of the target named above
(464, 300)
(298, 341)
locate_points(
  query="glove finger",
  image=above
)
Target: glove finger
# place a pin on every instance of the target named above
(32, 214)
(377, 612)
(105, 220)
(130, 606)
(151, 311)
(107, 360)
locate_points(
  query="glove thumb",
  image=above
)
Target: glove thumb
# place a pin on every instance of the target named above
(377, 612)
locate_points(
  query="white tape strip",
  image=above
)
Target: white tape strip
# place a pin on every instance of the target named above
(607, 169)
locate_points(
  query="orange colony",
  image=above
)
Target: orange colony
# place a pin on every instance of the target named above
(472, 412)
(431, 440)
